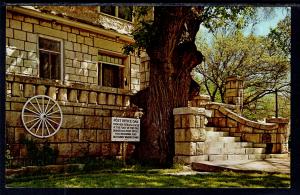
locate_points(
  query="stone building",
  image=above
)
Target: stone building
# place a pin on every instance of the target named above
(74, 55)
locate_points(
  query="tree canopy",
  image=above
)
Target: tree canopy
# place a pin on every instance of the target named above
(263, 62)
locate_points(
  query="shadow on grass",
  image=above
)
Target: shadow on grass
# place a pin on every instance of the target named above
(157, 180)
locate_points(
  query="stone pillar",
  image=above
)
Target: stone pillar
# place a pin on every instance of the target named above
(200, 101)
(282, 136)
(190, 134)
(234, 92)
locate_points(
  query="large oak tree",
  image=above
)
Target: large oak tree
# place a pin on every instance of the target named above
(169, 40)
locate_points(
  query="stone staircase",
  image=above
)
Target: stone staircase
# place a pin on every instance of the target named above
(219, 145)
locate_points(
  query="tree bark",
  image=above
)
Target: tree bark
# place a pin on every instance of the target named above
(172, 57)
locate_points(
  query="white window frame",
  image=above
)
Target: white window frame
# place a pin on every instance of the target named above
(61, 54)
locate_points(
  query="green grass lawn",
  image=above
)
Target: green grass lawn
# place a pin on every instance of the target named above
(153, 179)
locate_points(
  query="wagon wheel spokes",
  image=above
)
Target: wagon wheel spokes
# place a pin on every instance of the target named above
(42, 116)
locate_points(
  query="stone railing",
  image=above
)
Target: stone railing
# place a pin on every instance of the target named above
(273, 135)
(23, 87)
(87, 112)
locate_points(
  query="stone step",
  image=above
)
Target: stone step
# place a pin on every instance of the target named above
(224, 139)
(228, 150)
(224, 157)
(216, 134)
(218, 144)
(210, 129)
(286, 155)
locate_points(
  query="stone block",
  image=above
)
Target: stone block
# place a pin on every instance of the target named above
(102, 98)
(17, 44)
(87, 135)
(222, 122)
(13, 119)
(255, 138)
(238, 157)
(88, 41)
(16, 106)
(247, 129)
(50, 32)
(185, 148)
(73, 121)
(16, 92)
(68, 45)
(103, 135)
(106, 149)
(111, 99)
(80, 39)
(61, 136)
(188, 121)
(72, 37)
(106, 122)
(73, 135)
(29, 90)
(72, 96)
(93, 97)
(177, 121)
(83, 98)
(201, 149)
(20, 35)
(83, 111)
(95, 149)
(217, 157)
(7, 105)
(52, 92)
(231, 123)
(77, 47)
(93, 122)
(67, 110)
(119, 100)
(180, 135)
(62, 94)
(79, 149)
(15, 24)
(100, 112)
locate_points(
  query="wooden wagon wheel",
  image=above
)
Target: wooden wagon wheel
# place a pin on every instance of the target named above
(42, 116)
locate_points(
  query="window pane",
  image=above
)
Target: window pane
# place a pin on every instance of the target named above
(49, 45)
(125, 12)
(55, 66)
(112, 76)
(108, 10)
(44, 65)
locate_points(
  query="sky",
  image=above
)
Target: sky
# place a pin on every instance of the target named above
(262, 28)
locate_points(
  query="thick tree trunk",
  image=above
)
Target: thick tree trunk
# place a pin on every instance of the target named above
(172, 58)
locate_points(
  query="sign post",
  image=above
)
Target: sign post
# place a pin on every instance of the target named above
(125, 130)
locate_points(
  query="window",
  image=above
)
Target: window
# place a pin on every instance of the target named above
(50, 58)
(123, 12)
(111, 71)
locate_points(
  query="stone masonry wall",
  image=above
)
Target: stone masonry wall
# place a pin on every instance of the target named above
(87, 112)
(190, 134)
(271, 135)
(80, 49)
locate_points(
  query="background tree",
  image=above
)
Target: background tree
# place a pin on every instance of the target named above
(169, 39)
(262, 61)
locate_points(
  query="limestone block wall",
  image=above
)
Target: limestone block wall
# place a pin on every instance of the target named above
(87, 112)
(190, 134)
(272, 135)
(80, 49)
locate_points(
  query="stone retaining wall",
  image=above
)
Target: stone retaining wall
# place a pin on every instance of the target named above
(87, 112)
(273, 134)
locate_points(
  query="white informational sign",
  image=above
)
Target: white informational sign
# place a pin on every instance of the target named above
(125, 129)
